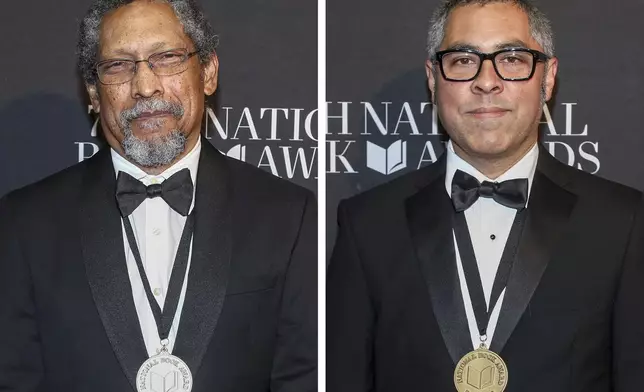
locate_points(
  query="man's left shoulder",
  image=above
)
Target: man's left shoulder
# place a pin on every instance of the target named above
(605, 192)
(259, 185)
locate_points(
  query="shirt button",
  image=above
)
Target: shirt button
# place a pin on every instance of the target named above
(156, 231)
(492, 237)
(157, 292)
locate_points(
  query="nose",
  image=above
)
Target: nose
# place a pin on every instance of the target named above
(145, 83)
(487, 81)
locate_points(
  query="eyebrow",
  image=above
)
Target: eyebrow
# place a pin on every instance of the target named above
(505, 45)
(153, 49)
(512, 44)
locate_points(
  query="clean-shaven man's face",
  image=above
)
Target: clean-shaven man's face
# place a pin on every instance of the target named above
(488, 117)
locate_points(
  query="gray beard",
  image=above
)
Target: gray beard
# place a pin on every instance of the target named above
(157, 151)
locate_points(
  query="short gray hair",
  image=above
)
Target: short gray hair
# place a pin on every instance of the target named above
(539, 24)
(195, 25)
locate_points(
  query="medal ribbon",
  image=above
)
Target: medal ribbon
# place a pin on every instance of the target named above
(482, 312)
(164, 318)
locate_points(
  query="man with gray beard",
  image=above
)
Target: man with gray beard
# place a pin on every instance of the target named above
(159, 264)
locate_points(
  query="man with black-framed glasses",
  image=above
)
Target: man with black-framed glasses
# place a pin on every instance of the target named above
(497, 268)
(159, 264)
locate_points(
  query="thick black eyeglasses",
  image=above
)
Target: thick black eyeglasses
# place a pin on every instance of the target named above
(512, 64)
(169, 62)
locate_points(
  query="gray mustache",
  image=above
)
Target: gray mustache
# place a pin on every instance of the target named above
(151, 105)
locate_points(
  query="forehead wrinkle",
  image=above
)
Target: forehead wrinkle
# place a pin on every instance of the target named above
(126, 31)
(470, 24)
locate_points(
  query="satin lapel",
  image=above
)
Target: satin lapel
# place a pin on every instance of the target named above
(211, 252)
(548, 212)
(429, 214)
(104, 255)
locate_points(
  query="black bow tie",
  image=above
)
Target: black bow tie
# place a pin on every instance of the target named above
(467, 189)
(176, 191)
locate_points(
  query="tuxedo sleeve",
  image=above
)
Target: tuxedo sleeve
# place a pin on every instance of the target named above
(628, 317)
(350, 316)
(21, 366)
(295, 362)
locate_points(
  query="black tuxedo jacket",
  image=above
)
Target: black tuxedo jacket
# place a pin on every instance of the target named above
(67, 317)
(573, 315)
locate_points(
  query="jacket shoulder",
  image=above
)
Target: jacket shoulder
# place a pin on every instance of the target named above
(393, 194)
(599, 189)
(254, 183)
(60, 186)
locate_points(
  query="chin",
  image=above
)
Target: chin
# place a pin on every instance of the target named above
(151, 133)
(490, 148)
(146, 138)
(155, 151)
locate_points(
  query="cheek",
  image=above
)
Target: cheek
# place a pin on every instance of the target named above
(526, 97)
(450, 98)
(114, 100)
(188, 94)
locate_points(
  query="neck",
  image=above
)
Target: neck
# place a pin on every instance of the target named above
(494, 167)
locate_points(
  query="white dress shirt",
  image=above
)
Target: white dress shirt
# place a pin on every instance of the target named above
(157, 229)
(489, 224)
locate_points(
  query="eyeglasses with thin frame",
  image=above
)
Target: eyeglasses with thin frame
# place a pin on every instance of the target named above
(166, 63)
(510, 64)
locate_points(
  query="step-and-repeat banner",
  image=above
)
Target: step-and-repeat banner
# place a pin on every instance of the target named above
(382, 124)
(265, 110)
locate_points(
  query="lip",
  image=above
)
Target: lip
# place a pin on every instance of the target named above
(488, 112)
(149, 115)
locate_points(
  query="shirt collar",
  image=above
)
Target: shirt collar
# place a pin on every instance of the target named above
(525, 168)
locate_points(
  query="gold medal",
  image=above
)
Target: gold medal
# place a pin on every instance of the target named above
(481, 370)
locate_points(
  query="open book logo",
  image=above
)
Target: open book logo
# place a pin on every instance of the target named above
(387, 160)
(169, 383)
(238, 152)
(480, 378)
